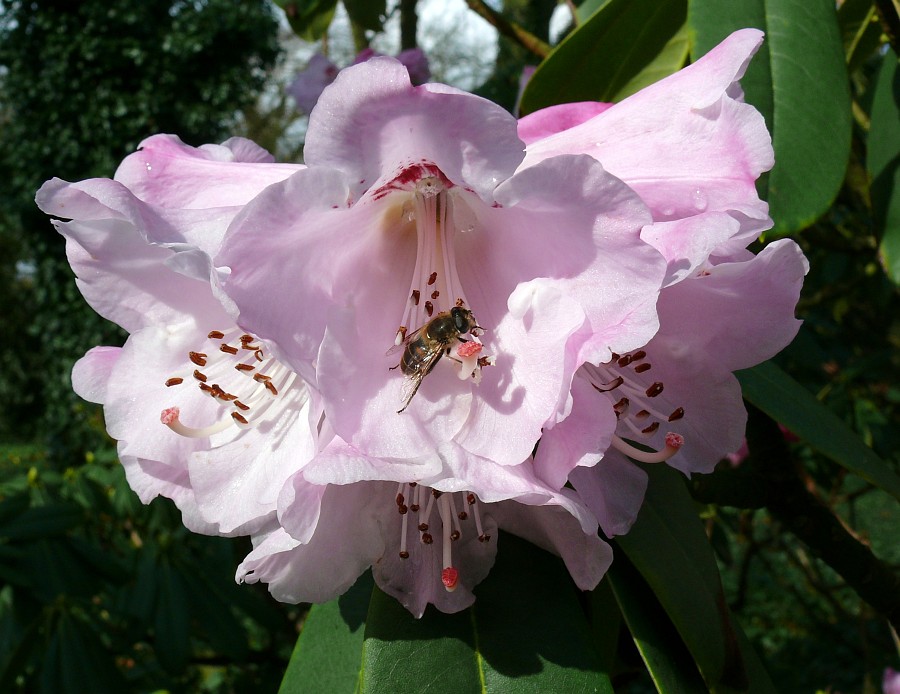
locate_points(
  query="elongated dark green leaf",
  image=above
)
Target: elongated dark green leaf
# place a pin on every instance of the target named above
(367, 13)
(667, 659)
(669, 548)
(526, 633)
(327, 654)
(883, 162)
(798, 81)
(623, 46)
(42, 521)
(172, 620)
(77, 662)
(786, 401)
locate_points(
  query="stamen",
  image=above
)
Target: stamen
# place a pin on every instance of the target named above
(673, 443)
(449, 575)
(171, 418)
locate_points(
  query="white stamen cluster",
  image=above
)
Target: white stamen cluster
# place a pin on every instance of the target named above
(635, 408)
(238, 374)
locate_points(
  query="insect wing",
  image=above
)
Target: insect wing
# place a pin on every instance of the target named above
(397, 348)
(422, 368)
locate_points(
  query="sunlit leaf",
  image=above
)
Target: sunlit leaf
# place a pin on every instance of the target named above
(798, 81)
(526, 633)
(883, 151)
(623, 46)
(786, 401)
(326, 657)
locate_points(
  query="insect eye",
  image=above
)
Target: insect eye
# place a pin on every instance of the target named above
(460, 319)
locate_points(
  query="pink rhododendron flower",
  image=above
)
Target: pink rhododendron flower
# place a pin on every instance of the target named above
(140, 247)
(409, 235)
(693, 150)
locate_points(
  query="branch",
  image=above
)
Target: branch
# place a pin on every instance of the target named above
(774, 478)
(509, 29)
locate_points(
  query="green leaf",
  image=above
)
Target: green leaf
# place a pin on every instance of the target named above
(77, 662)
(42, 522)
(309, 19)
(326, 657)
(786, 401)
(369, 14)
(667, 659)
(624, 46)
(669, 548)
(798, 81)
(883, 162)
(172, 624)
(526, 633)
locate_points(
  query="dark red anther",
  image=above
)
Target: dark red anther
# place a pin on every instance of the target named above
(403, 509)
(174, 381)
(415, 297)
(400, 499)
(435, 294)
(641, 368)
(650, 429)
(637, 356)
(643, 414)
(404, 554)
(454, 535)
(432, 278)
(654, 390)
(271, 388)
(244, 367)
(625, 361)
(621, 407)
(677, 414)
(215, 335)
(470, 498)
(484, 538)
(414, 507)
(429, 308)
(427, 539)
(200, 376)
(436, 494)
(612, 385)
(423, 527)
(199, 358)
(241, 406)
(228, 349)
(413, 484)
(462, 515)
(238, 417)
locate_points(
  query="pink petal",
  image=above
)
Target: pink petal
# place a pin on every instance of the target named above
(686, 144)
(613, 490)
(91, 373)
(166, 172)
(554, 119)
(373, 124)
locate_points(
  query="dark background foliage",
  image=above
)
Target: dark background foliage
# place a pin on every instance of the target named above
(100, 593)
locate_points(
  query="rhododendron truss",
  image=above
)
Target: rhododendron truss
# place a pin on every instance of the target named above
(354, 360)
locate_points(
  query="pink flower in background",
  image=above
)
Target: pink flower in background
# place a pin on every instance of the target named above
(890, 683)
(310, 82)
(693, 150)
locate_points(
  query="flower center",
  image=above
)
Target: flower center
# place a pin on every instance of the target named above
(436, 319)
(636, 407)
(413, 498)
(236, 372)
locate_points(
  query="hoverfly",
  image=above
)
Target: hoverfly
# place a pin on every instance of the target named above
(425, 347)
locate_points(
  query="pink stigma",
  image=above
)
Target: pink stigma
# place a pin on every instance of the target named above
(674, 440)
(450, 577)
(468, 349)
(169, 415)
